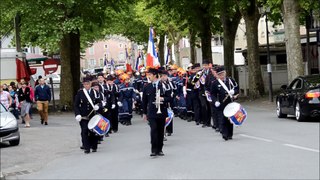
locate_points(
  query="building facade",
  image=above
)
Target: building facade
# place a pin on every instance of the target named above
(112, 47)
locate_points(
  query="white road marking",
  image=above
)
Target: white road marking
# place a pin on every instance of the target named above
(303, 148)
(257, 138)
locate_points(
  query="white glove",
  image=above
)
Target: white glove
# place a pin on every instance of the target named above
(119, 103)
(232, 92)
(78, 118)
(104, 103)
(217, 103)
(184, 90)
(96, 107)
(113, 106)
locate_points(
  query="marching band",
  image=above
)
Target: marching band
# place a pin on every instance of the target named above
(196, 94)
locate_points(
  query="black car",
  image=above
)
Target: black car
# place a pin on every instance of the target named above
(301, 98)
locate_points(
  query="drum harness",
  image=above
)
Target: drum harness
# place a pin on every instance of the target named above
(226, 89)
(90, 101)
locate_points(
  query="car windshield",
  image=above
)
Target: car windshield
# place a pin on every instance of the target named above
(2, 109)
(313, 81)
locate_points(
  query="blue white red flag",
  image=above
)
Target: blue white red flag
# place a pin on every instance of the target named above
(152, 57)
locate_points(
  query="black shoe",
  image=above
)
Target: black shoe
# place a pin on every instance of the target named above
(42, 121)
(197, 123)
(23, 122)
(204, 126)
(160, 153)
(217, 130)
(45, 123)
(94, 150)
(99, 142)
(107, 135)
(225, 138)
(115, 131)
(81, 147)
(164, 139)
(86, 151)
(229, 137)
(168, 134)
(153, 154)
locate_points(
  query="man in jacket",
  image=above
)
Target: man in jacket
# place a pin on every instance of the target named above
(43, 97)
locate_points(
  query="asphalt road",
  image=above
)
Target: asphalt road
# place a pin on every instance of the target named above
(264, 147)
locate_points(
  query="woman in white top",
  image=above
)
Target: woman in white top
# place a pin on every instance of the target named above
(5, 99)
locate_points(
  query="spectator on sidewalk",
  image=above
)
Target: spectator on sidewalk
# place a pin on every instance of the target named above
(25, 102)
(43, 97)
(6, 99)
(14, 108)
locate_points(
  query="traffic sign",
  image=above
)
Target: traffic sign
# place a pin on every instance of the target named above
(50, 66)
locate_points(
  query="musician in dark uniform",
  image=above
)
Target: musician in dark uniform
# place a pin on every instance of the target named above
(150, 111)
(221, 97)
(169, 93)
(194, 78)
(84, 111)
(112, 98)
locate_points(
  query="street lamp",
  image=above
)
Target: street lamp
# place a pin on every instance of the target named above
(264, 11)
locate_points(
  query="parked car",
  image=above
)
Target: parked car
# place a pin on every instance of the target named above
(9, 130)
(301, 98)
(56, 79)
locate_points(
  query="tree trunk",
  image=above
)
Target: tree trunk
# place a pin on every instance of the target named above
(75, 61)
(206, 37)
(192, 46)
(291, 15)
(251, 17)
(66, 84)
(230, 25)
(161, 49)
(177, 53)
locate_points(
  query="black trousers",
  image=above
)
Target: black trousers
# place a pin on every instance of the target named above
(214, 114)
(196, 108)
(157, 134)
(189, 104)
(205, 111)
(169, 128)
(113, 118)
(226, 127)
(89, 138)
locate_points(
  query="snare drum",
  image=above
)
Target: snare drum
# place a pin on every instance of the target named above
(99, 124)
(235, 113)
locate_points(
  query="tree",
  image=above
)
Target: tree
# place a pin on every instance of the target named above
(58, 25)
(290, 11)
(250, 13)
(230, 18)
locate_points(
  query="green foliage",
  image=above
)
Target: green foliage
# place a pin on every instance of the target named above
(43, 22)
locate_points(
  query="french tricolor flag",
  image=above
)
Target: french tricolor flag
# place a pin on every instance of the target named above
(152, 58)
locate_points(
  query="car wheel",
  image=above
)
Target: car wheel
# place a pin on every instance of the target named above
(279, 111)
(14, 142)
(299, 116)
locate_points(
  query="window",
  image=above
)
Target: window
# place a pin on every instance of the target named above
(297, 84)
(91, 50)
(92, 62)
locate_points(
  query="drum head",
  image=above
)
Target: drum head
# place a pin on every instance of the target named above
(93, 121)
(231, 109)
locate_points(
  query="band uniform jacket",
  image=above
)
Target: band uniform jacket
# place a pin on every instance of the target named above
(148, 99)
(83, 107)
(218, 93)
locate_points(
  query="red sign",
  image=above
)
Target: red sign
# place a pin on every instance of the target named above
(50, 66)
